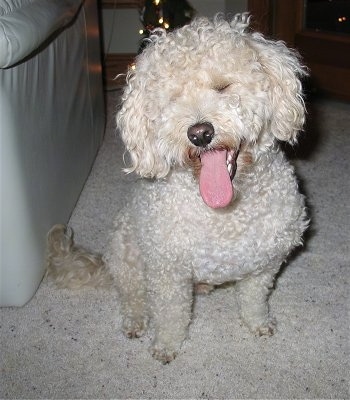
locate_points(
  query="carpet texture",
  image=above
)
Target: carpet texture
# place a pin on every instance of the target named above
(66, 344)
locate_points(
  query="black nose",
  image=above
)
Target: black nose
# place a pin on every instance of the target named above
(201, 134)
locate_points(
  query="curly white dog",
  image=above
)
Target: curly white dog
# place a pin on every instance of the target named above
(201, 112)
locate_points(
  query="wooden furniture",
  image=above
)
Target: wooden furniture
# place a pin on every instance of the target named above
(326, 54)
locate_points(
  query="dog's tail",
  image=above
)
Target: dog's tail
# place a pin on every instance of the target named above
(71, 266)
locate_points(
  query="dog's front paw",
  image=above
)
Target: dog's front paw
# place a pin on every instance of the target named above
(134, 327)
(162, 354)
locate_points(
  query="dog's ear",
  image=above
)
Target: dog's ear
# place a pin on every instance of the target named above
(284, 71)
(138, 132)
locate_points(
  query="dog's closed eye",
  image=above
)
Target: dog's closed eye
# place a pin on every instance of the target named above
(222, 87)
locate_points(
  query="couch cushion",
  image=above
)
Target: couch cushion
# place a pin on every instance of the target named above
(27, 24)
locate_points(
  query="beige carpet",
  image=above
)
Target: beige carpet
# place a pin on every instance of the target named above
(68, 345)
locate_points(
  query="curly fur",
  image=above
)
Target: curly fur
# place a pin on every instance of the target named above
(71, 266)
(177, 83)
(167, 239)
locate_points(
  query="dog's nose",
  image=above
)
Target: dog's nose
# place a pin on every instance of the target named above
(201, 134)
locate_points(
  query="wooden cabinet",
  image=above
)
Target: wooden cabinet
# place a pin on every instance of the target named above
(327, 54)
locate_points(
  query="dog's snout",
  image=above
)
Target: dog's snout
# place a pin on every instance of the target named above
(201, 134)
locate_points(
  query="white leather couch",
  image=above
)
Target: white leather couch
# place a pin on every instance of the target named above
(51, 126)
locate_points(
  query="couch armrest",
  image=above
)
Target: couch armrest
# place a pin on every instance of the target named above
(27, 24)
(51, 127)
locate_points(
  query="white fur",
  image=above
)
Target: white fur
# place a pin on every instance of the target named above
(167, 239)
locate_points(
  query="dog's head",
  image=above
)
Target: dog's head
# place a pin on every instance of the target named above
(204, 93)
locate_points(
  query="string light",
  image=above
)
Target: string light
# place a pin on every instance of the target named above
(163, 14)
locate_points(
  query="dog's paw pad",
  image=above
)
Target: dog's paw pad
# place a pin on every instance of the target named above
(163, 355)
(134, 329)
(134, 333)
(267, 329)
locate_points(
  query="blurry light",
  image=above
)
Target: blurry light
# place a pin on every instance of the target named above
(161, 20)
(166, 25)
(141, 31)
(156, 2)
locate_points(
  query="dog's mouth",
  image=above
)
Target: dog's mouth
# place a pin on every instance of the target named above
(218, 168)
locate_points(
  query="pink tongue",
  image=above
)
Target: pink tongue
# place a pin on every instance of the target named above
(215, 184)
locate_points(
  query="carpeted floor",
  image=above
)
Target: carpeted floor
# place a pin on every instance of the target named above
(67, 344)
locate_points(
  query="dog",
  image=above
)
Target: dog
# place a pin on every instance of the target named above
(201, 116)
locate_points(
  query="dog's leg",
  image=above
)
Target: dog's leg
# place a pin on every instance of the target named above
(171, 300)
(253, 293)
(132, 296)
(128, 270)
